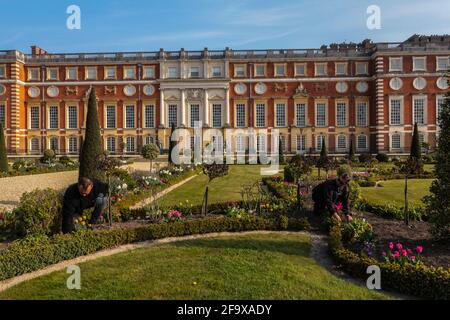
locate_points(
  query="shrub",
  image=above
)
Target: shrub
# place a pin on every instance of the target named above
(49, 156)
(37, 253)
(382, 157)
(365, 157)
(289, 175)
(355, 192)
(39, 213)
(3, 154)
(344, 169)
(357, 230)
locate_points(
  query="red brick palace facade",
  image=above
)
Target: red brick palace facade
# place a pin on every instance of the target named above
(368, 93)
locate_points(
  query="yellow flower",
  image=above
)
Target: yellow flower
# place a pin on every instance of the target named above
(194, 283)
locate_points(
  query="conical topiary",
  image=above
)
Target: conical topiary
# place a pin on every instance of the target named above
(171, 144)
(3, 156)
(416, 148)
(92, 145)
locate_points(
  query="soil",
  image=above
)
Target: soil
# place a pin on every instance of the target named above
(435, 253)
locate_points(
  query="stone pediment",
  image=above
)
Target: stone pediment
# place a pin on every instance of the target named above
(172, 98)
(216, 97)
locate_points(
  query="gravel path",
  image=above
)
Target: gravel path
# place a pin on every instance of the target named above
(12, 188)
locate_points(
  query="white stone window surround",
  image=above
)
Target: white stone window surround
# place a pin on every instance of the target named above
(402, 110)
(395, 64)
(419, 63)
(424, 98)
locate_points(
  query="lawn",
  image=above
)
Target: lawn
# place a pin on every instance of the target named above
(264, 266)
(392, 191)
(222, 189)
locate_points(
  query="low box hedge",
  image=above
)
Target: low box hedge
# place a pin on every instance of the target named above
(416, 280)
(36, 253)
(390, 211)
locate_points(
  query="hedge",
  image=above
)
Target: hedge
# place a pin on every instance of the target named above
(389, 210)
(34, 254)
(417, 280)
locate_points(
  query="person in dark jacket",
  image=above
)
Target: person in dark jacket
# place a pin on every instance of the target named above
(80, 196)
(329, 194)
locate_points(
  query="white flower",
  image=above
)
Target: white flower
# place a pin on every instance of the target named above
(124, 186)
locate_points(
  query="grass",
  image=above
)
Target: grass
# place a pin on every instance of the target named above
(264, 266)
(222, 189)
(392, 191)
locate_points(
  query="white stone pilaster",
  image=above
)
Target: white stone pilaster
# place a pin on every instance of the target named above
(227, 107)
(183, 108)
(206, 108)
(162, 110)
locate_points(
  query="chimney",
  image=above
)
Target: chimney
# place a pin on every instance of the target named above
(37, 51)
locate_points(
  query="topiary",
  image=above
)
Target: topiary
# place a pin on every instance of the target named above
(3, 157)
(345, 169)
(382, 157)
(39, 213)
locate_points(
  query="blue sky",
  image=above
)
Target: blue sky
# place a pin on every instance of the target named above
(138, 25)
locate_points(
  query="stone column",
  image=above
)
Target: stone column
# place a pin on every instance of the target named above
(162, 111)
(183, 108)
(206, 109)
(227, 107)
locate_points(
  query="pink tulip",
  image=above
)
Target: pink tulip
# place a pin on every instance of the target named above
(399, 246)
(413, 258)
(391, 245)
(409, 251)
(419, 249)
(404, 253)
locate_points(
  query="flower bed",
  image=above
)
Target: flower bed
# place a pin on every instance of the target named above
(408, 278)
(33, 254)
(390, 211)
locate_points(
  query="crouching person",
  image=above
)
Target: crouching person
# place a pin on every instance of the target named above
(332, 196)
(80, 196)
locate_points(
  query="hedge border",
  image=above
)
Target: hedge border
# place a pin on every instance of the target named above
(32, 255)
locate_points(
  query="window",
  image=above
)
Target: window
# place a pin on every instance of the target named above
(129, 73)
(53, 117)
(419, 63)
(300, 113)
(396, 141)
(217, 115)
(419, 110)
(195, 114)
(216, 71)
(195, 72)
(149, 140)
(150, 116)
(217, 143)
(131, 144)
(341, 142)
(33, 74)
(240, 115)
(361, 68)
(71, 73)
(301, 143)
(280, 70)
(173, 72)
(260, 70)
(341, 69)
(73, 144)
(149, 72)
(2, 72)
(395, 111)
(91, 73)
(34, 118)
(111, 117)
(320, 69)
(260, 115)
(129, 117)
(320, 139)
(341, 114)
(361, 143)
(440, 102)
(396, 64)
(34, 144)
(261, 143)
(173, 115)
(281, 115)
(421, 140)
(300, 69)
(282, 143)
(72, 117)
(110, 72)
(3, 115)
(53, 143)
(240, 143)
(111, 144)
(239, 71)
(52, 74)
(442, 63)
(361, 114)
(321, 115)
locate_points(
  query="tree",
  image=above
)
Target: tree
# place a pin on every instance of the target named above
(92, 146)
(171, 144)
(81, 148)
(300, 168)
(213, 171)
(351, 152)
(438, 202)
(280, 151)
(323, 160)
(150, 152)
(3, 155)
(108, 166)
(411, 166)
(416, 151)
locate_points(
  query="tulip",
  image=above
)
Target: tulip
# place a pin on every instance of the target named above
(399, 246)
(391, 245)
(419, 249)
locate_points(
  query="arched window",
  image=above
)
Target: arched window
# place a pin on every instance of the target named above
(320, 139)
(149, 140)
(111, 144)
(34, 144)
(341, 142)
(131, 144)
(361, 143)
(396, 141)
(73, 145)
(54, 143)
